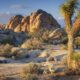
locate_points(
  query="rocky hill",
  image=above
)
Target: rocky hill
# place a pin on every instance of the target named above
(32, 23)
(40, 25)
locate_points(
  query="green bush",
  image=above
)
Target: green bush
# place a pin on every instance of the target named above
(76, 56)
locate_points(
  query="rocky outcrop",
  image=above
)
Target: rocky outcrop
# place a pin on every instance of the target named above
(58, 36)
(34, 22)
(15, 38)
(42, 19)
(14, 22)
(25, 23)
(2, 26)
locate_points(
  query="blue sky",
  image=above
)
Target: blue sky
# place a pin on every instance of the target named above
(9, 8)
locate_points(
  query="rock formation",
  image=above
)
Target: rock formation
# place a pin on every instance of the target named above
(34, 22)
(14, 22)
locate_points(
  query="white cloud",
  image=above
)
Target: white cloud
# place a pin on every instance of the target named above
(5, 16)
(18, 6)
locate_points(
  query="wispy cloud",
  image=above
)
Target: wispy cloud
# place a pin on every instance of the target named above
(5, 16)
(18, 6)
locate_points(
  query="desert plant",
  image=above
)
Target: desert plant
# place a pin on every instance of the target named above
(33, 43)
(68, 10)
(32, 68)
(77, 42)
(30, 77)
(76, 56)
(5, 50)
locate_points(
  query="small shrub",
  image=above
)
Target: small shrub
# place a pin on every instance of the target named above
(30, 77)
(77, 42)
(32, 68)
(76, 56)
(32, 44)
(5, 50)
(50, 59)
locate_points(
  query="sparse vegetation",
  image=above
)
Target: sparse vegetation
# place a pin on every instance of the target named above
(32, 44)
(30, 77)
(5, 50)
(32, 68)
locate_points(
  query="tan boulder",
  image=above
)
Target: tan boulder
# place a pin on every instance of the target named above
(14, 22)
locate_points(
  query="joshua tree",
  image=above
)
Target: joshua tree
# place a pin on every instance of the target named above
(71, 25)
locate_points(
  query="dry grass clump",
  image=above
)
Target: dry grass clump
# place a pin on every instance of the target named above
(17, 53)
(77, 42)
(32, 44)
(76, 56)
(75, 65)
(31, 71)
(30, 77)
(5, 50)
(76, 59)
(32, 68)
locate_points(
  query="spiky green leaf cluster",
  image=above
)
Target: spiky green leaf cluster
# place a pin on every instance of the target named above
(68, 7)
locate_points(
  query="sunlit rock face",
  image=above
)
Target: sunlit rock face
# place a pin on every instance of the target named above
(42, 19)
(34, 22)
(14, 22)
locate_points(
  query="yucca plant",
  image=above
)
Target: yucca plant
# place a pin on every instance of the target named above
(68, 10)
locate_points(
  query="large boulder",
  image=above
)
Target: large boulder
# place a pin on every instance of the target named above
(34, 22)
(42, 19)
(58, 36)
(14, 22)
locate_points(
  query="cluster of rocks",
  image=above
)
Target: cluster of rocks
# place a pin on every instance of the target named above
(14, 38)
(34, 22)
(39, 24)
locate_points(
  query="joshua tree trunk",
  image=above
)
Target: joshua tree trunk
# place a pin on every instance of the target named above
(70, 50)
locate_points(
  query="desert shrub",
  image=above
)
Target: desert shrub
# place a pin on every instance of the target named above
(76, 56)
(30, 77)
(15, 52)
(32, 68)
(50, 59)
(72, 72)
(33, 43)
(64, 40)
(18, 53)
(75, 65)
(5, 50)
(76, 59)
(77, 41)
